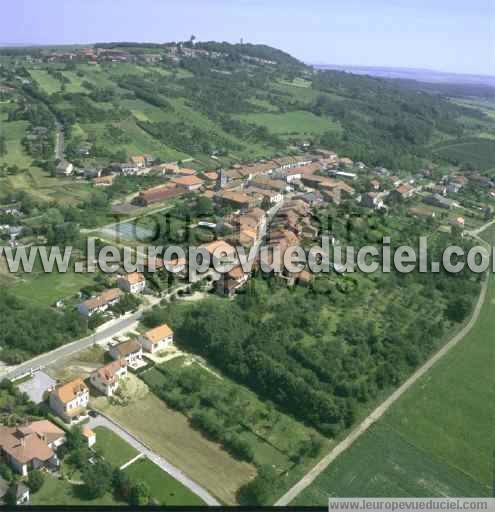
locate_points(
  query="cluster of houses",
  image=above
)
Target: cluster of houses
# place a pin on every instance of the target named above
(70, 401)
(34, 445)
(133, 283)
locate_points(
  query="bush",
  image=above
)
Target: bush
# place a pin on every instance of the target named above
(35, 481)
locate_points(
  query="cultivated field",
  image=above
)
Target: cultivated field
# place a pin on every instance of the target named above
(168, 433)
(437, 440)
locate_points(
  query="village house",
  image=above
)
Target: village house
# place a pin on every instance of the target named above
(64, 168)
(106, 379)
(101, 302)
(270, 184)
(70, 400)
(232, 281)
(373, 200)
(293, 175)
(375, 185)
(346, 162)
(254, 218)
(126, 168)
(157, 339)
(188, 183)
(130, 350)
(31, 446)
(220, 251)
(138, 161)
(157, 194)
(103, 181)
(247, 236)
(260, 195)
(133, 283)
(438, 200)
(402, 192)
(235, 199)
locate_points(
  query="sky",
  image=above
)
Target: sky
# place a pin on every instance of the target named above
(445, 35)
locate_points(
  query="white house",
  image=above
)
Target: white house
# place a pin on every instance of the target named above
(106, 379)
(132, 283)
(157, 339)
(101, 302)
(70, 400)
(130, 350)
(64, 168)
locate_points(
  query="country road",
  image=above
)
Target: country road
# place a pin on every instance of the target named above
(294, 491)
(59, 142)
(104, 421)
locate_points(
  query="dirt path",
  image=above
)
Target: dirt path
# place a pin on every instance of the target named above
(294, 491)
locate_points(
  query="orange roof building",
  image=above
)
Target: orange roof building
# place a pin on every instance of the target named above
(157, 339)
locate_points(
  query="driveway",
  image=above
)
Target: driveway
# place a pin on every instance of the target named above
(36, 386)
(104, 421)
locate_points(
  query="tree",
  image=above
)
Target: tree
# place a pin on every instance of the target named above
(122, 484)
(11, 495)
(140, 494)
(458, 308)
(259, 490)
(97, 479)
(35, 480)
(3, 145)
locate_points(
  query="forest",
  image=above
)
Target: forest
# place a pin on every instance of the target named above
(322, 353)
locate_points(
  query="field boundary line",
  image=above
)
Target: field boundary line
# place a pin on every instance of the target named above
(379, 411)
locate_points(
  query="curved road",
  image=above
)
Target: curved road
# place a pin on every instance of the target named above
(294, 491)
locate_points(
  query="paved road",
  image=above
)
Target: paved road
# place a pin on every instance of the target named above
(104, 421)
(383, 408)
(71, 348)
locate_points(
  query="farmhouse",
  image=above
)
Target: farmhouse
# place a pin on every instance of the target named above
(101, 302)
(130, 350)
(157, 339)
(106, 379)
(132, 283)
(70, 400)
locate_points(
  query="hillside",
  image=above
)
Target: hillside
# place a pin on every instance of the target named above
(238, 102)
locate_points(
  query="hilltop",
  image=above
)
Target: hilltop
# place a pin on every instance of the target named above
(235, 102)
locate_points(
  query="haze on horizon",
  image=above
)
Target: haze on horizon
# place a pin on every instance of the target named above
(446, 35)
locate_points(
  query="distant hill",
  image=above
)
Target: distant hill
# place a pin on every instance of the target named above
(420, 75)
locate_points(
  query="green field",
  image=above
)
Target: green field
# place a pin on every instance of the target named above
(60, 493)
(478, 152)
(48, 83)
(46, 188)
(292, 123)
(44, 288)
(113, 449)
(437, 440)
(164, 489)
(14, 131)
